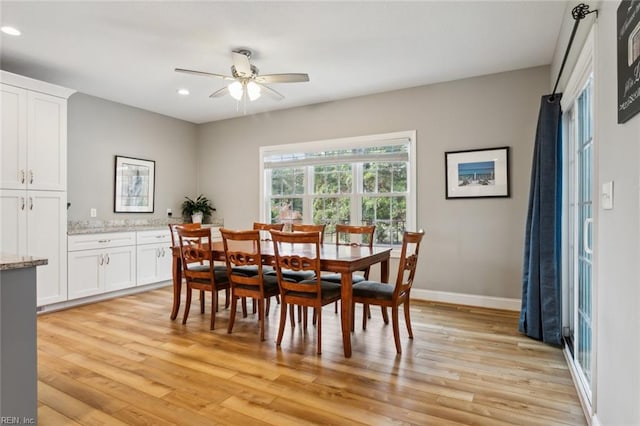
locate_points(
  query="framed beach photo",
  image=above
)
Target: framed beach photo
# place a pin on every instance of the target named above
(134, 185)
(478, 173)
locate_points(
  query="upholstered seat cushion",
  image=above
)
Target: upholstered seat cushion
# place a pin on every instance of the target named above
(337, 278)
(295, 276)
(220, 276)
(373, 290)
(250, 271)
(329, 290)
(196, 267)
(270, 283)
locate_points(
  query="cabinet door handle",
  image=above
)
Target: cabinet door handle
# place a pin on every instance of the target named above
(159, 236)
(157, 252)
(30, 203)
(103, 241)
(22, 203)
(163, 252)
(108, 259)
(101, 259)
(31, 176)
(23, 176)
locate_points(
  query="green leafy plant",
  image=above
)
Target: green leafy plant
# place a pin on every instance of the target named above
(200, 204)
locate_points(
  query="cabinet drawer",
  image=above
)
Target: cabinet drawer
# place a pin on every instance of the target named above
(153, 237)
(97, 241)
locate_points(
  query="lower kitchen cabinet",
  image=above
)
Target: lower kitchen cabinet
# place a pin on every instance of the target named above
(110, 267)
(154, 258)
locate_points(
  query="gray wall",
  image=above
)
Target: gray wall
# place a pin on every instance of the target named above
(618, 231)
(472, 246)
(99, 129)
(616, 247)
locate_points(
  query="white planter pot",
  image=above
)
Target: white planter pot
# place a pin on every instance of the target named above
(197, 217)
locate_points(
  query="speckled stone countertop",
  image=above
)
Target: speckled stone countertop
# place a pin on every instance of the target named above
(13, 261)
(124, 225)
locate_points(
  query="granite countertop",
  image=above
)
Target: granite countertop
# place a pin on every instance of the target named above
(125, 225)
(13, 261)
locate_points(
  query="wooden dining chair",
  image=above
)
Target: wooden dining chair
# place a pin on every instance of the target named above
(174, 236)
(354, 236)
(300, 251)
(387, 295)
(300, 275)
(242, 250)
(199, 270)
(173, 229)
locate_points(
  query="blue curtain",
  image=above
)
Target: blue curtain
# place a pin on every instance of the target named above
(541, 313)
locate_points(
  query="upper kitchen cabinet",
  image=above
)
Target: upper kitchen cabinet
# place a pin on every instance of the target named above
(34, 134)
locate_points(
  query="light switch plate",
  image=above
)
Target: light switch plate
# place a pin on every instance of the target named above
(607, 195)
(94, 213)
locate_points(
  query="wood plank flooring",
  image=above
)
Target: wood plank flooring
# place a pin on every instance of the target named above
(124, 361)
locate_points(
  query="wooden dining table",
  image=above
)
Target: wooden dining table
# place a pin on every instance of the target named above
(341, 259)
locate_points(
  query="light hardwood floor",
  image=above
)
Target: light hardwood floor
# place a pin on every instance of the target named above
(124, 361)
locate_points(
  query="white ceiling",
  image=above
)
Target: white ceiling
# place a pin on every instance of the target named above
(127, 51)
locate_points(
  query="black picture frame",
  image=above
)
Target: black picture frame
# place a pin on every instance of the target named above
(477, 173)
(628, 40)
(134, 185)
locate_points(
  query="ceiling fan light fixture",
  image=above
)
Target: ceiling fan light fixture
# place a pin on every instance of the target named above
(236, 90)
(253, 90)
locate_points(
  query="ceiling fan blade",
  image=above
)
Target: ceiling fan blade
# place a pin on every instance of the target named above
(241, 62)
(269, 91)
(202, 73)
(283, 78)
(219, 93)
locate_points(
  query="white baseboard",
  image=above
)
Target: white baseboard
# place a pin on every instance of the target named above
(466, 299)
(100, 297)
(595, 421)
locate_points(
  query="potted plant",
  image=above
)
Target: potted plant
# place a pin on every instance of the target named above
(198, 210)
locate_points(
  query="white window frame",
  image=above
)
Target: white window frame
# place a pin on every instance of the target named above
(342, 143)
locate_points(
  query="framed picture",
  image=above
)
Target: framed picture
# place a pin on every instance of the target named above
(477, 173)
(628, 40)
(134, 185)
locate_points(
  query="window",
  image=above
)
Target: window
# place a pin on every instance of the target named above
(362, 180)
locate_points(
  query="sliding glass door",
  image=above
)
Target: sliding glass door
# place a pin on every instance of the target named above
(579, 232)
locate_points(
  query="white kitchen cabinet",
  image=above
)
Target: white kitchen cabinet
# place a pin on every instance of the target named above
(100, 263)
(34, 134)
(33, 178)
(34, 223)
(154, 258)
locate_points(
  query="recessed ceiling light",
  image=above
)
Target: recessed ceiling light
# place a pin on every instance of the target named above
(183, 92)
(10, 30)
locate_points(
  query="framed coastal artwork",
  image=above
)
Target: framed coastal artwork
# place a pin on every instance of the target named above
(478, 173)
(134, 185)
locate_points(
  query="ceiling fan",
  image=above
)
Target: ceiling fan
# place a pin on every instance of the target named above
(246, 81)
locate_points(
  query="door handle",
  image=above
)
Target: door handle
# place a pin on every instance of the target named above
(23, 176)
(22, 202)
(101, 259)
(31, 176)
(586, 227)
(108, 259)
(30, 203)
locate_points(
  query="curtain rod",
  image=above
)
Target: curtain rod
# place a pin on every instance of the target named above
(578, 13)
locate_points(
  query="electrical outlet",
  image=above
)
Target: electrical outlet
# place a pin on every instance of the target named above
(169, 212)
(94, 212)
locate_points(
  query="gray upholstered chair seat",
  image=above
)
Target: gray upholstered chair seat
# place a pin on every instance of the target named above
(328, 290)
(294, 276)
(270, 282)
(250, 271)
(373, 290)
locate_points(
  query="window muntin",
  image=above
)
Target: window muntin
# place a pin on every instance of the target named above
(353, 181)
